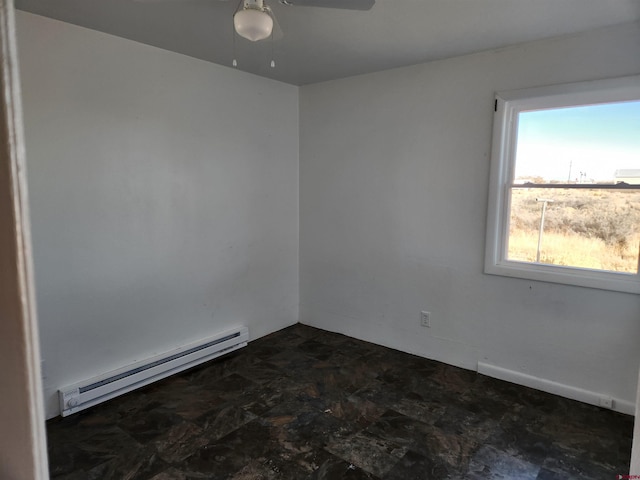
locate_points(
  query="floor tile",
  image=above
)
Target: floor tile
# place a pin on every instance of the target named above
(490, 463)
(369, 452)
(414, 466)
(334, 468)
(307, 404)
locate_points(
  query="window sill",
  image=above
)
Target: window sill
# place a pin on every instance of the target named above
(619, 282)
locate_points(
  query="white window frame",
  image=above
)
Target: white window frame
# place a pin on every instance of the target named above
(505, 128)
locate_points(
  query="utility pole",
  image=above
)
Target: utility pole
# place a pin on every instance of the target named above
(544, 202)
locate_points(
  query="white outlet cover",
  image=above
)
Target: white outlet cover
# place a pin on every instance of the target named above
(606, 402)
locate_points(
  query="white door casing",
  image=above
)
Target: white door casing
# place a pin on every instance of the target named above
(23, 454)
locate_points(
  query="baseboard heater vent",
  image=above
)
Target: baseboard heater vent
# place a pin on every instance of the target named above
(92, 391)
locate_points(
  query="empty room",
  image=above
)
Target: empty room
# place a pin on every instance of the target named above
(334, 239)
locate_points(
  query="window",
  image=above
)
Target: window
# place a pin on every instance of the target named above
(564, 201)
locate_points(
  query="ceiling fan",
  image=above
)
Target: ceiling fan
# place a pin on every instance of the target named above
(255, 19)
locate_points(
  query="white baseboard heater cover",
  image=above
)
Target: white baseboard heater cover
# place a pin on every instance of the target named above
(93, 391)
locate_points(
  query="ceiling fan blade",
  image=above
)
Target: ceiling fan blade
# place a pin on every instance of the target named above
(343, 4)
(169, 1)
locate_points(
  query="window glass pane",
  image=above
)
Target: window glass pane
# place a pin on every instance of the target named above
(586, 144)
(586, 228)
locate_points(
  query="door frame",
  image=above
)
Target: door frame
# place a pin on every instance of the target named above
(23, 453)
(635, 450)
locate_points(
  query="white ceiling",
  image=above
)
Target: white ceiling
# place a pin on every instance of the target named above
(323, 44)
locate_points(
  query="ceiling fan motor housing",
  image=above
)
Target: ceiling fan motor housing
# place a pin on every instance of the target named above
(254, 4)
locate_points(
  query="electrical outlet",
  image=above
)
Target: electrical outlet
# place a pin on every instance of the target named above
(425, 319)
(606, 402)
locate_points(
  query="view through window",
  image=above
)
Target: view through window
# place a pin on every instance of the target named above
(575, 194)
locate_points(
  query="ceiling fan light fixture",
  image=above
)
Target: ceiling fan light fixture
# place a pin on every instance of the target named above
(253, 24)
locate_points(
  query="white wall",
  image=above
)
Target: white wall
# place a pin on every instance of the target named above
(394, 173)
(164, 196)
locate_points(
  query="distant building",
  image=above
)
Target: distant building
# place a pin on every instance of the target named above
(628, 175)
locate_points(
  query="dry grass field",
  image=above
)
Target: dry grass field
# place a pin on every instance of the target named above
(597, 229)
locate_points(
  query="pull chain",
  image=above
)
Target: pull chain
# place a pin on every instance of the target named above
(234, 62)
(233, 32)
(273, 62)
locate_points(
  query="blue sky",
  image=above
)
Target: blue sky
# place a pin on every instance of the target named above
(596, 140)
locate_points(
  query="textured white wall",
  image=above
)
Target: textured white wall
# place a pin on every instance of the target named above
(157, 220)
(394, 173)
(164, 196)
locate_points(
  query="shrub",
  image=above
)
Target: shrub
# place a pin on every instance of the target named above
(611, 216)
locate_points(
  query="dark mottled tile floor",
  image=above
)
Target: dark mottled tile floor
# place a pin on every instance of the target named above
(303, 404)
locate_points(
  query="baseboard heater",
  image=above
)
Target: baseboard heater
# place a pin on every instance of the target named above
(92, 391)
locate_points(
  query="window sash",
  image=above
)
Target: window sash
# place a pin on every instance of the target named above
(508, 106)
